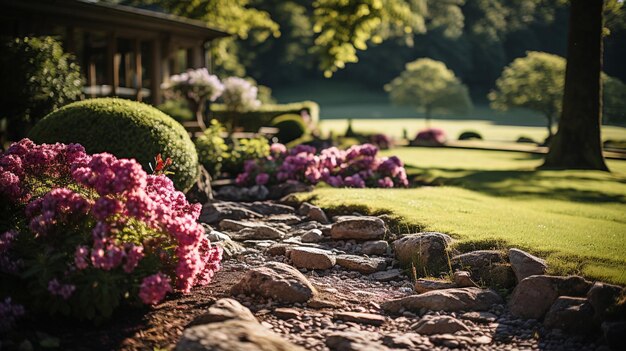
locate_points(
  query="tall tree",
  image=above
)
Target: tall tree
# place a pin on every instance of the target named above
(577, 143)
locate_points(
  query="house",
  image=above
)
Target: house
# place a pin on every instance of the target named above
(123, 51)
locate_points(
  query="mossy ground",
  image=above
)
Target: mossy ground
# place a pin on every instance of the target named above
(493, 199)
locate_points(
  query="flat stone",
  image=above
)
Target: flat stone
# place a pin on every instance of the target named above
(214, 212)
(430, 325)
(233, 335)
(223, 310)
(260, 232)
(312, 236)
(311, 258)
(424, 285)
(358, 228)
(386, 276)
(463, 279)
(317, 214)
(534, 295)
(286, 313)
(451, 341)
(362, 318)
(286, 219)
(427, 251)
(524, 264)
(354, 341)
(451, 300)
(268, 208)
(409, 341)
(480, 317)
(365, 265)
(278, 249)
(376, 247)
(277, 281)
(571, 314)
(235, 226)
(320, 303)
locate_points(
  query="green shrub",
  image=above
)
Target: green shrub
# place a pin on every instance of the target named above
(469, 135)
(526, 139)
(37, 77)
(177, 109)
(212, 148)
(263, 116)
(127, 129)
(242, 150)
(290, 127)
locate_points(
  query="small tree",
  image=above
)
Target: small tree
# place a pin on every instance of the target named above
(430, 86)
(534, 81)
(37, 77)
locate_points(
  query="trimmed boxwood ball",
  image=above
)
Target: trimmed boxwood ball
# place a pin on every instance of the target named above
(469, 135)
(126, 129)
(290, 127)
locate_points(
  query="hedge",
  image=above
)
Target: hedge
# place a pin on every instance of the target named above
(263, 116)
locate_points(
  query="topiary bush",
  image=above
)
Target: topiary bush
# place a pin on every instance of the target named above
(36, 77)
(83, 234)
(469, 135)
(263, 116)
(124, 128)
(290, 127)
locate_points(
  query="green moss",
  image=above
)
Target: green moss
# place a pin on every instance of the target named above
(126, 129)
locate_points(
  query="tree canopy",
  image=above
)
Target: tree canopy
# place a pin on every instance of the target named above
(429, 85)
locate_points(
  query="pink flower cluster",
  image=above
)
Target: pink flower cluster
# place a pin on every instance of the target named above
(9, 313)
(431, 136)
(356, 167)
(121, 215)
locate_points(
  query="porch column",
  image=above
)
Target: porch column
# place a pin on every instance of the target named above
(157, 66)
(194, 57)
(138, 69)
(113, 63)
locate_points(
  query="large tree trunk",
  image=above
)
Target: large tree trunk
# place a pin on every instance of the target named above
(577, 143)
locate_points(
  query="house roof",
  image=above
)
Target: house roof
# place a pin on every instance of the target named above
(113, 16)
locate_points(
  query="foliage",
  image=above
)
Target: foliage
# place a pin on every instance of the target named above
(243, 150)
(212, 148)
(263, 116)
(356, 167)
(430, 85)
(124, 128)
(614, 104)
(381, 141)
(93, 232)
(469, 135)
(290, 127)
(36, 77)
(431, 137)
(177, 109)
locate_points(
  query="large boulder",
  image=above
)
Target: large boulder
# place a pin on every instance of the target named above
(602, 297)
(358, 228)
(534, 296)
(425, 250)
(571, 314)
(231, 335)
(524, 264)
(452, 300)
(311, 258)
(277, 281)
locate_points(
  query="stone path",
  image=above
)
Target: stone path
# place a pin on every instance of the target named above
(306, 281)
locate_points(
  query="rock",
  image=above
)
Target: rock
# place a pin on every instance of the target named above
(428, 251)
(269, 208)
(362, 318)
(534, 295)
(458, 299)
(319, 304)
(386, 276)
(285, 219)
(311, 258)
(571, 314)
(232, 335)
(235, 226)
(480, 317)
(614, 334)
(361, 264)
(312, 236)
(354, 341)
(223, 310)
(277, 281)
(313, 213)
(259, 244)
(409, 341)
(280, 191)
(358, 228)
(462, 279)
(452, 341)
(215, 236)
(286, 313)
(377, 247)
(278, 249)
(603, 296)
(214, 212)
(488, 266)
(424, 285)
(260, 232)
(524, 264)
(431, 325)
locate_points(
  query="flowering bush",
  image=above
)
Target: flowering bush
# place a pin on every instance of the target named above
(240, 95)
(382, 141)
(431, 137)
(356, 167)
(84, 233)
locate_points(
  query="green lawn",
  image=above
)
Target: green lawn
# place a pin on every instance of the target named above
(575, 219)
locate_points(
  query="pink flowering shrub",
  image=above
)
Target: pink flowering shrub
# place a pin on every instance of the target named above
(356, 167)
(82, 234)
(382, 141)
(431, 137)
